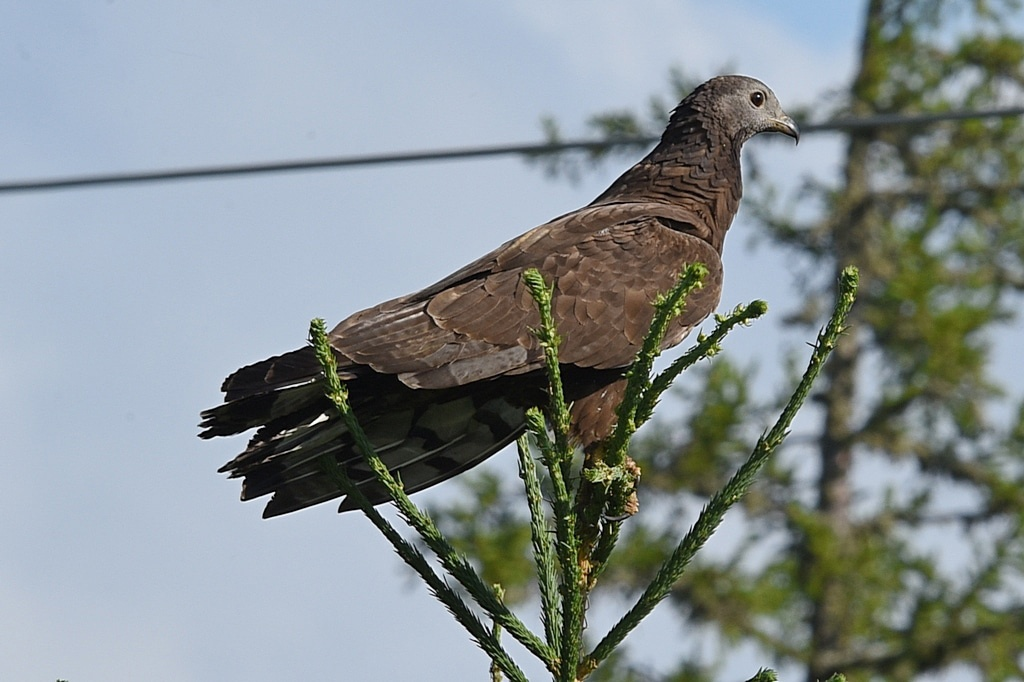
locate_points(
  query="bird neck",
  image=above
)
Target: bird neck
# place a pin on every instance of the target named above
(689, 169)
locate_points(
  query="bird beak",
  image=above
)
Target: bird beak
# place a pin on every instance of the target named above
(786, 126)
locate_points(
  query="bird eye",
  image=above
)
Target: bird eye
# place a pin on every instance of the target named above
(757, 98)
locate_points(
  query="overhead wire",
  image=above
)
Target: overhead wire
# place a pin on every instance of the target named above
(526, 150)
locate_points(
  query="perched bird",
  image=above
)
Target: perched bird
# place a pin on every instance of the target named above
(441, 379)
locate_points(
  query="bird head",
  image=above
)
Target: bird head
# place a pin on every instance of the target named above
(741, 108)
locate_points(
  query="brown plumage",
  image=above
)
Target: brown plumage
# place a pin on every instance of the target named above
(440, 379)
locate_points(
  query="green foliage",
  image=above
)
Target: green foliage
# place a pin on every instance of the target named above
(455, 564)
(585, 533)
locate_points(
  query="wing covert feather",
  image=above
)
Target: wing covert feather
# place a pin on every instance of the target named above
(608, 264)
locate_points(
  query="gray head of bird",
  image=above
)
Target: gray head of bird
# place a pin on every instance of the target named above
(739, 106)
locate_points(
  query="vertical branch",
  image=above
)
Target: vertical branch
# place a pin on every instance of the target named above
(557, 459)
(547, 335)
(543, 549)
(608, 480)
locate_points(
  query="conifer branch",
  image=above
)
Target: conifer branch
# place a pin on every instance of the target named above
(563, 617)
(543, 549)
(712, 514)
(485, 639)
(706, 347)
(667, 308)
(496, 633)
(453, 562)
(558, 459)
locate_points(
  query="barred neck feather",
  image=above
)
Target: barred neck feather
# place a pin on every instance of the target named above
(692, 167)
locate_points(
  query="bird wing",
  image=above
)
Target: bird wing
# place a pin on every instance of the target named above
(607, 265)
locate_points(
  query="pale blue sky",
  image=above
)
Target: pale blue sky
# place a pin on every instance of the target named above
(124, 555)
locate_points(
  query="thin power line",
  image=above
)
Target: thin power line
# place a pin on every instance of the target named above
(534, 149)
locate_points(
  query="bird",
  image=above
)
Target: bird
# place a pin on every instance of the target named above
(441, 379)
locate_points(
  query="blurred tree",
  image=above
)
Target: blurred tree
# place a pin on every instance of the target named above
(887, 540)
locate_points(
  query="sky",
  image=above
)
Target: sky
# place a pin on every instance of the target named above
(123, 554)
